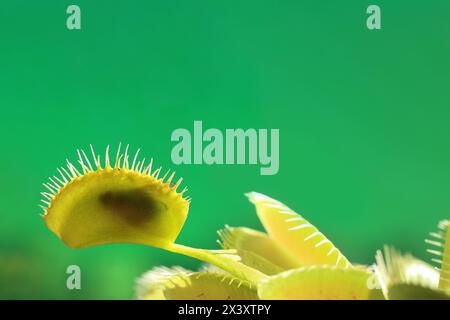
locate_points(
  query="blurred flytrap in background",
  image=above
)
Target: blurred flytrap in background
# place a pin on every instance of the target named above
(128, 202)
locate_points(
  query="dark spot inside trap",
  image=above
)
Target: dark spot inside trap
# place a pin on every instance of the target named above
(135, 206)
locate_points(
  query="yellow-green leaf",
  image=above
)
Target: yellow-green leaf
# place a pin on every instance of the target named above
(441, 248)
(319, 283)
(295, 233)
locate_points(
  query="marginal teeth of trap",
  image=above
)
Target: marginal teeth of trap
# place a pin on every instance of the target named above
(107, 162)
(435, 252)
(434, 243)
(156, 173)
(70, 172)
(437, 242)
(95, 157)
(134, 159)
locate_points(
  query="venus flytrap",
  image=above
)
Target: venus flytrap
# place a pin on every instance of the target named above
(326, 273)
(295, 281)
(296, 234)
(125, 202)
(404, 277)
(301, 271)
(128, 202)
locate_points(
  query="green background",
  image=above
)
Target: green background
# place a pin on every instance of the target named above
(363, 118)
